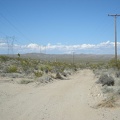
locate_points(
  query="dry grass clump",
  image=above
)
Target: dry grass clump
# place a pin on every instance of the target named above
(109, 102)
(44, 79)
(38, 73)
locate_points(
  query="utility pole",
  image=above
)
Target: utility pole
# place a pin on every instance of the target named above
(115, 16)
(73, 60)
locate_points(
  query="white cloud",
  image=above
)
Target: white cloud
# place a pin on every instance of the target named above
(3, 44)
(33, 46)
(106, 44)
(104, 47)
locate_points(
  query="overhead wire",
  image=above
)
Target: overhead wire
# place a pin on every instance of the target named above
(14, 27)
(10, 40)
(18, 30)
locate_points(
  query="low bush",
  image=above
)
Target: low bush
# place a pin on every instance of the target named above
(38, 73)
(106, 80)
(59, 76)
(25, 81)
(11, 69)
(108, 103)
(113, 64)
(4, 58)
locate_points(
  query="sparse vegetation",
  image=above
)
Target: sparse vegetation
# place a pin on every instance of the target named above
(25, 81)
(35, 68)
(43, 72)
(106, 80)
(4, 58)
(112, 64)
(109, 102)
(11, 69)
(38, 73)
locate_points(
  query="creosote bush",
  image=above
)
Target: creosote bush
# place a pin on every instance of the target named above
(4, 58)
(112, 64)
(12, 69)
(35, 67)
(106, 80)
(38, 74)
(94, 66)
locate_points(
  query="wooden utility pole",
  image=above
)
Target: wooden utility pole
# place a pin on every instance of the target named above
(115, 16)
(73, 57)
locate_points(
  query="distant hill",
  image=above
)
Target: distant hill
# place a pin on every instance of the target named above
(69, 57)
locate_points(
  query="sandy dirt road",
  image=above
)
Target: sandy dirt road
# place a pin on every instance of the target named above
(71, 99)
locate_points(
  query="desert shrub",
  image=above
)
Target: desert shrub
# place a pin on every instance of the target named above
(112, 63)
(11, 69)
(25, 64)
(59, 76)
(25, 81)
(107, 89)
(49, 68)
(4, 58)
(45, 79)
(106, 80)
(61, 66)
(45, 68)
(42, 68)
(94, 66)
(109, 102)
(38, 73)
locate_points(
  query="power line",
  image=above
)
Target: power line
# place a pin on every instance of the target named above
(14, 27)
(10, 43)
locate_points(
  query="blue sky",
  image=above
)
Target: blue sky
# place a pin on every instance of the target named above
(59, 25)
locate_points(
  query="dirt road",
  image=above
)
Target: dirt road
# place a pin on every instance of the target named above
(72, 99)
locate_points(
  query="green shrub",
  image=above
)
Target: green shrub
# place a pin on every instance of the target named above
(25, 64)
(12, 69)
(49, 68)
(112, 63)
(38, 74)
(42, 68)
(4, 58)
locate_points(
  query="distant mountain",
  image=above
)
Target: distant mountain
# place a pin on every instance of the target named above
(69, 57)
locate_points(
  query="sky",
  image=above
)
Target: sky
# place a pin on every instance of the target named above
(58, 26)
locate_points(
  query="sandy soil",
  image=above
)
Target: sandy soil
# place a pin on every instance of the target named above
(72, 99)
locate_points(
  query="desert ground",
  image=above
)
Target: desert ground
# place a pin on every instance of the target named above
(76, 98)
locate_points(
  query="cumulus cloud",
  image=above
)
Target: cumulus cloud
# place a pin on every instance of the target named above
(102, 48)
